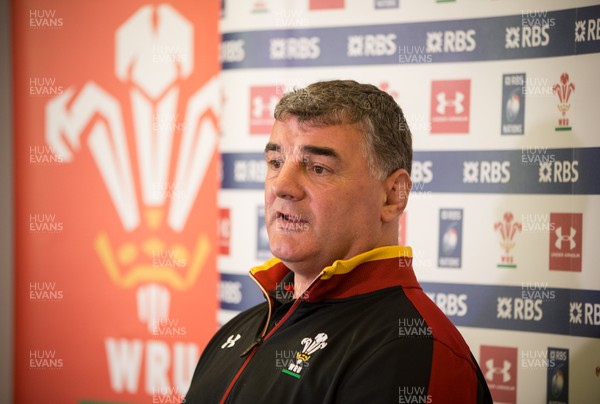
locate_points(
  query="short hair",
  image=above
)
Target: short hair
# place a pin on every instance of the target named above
(375, 113)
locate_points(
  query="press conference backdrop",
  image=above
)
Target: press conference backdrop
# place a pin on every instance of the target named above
(502, 100)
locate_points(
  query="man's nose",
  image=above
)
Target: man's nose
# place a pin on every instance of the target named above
(288, 184)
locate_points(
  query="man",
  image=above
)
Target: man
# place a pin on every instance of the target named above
(345, 319)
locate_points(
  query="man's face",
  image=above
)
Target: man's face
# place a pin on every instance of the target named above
(322, 203)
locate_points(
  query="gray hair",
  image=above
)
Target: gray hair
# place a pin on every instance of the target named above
(388, 141)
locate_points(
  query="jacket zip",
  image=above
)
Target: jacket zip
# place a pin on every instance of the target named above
(251, 350)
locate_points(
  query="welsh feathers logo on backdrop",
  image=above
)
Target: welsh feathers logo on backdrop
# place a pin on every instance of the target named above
(563, 91)
(153, 56)
(507, 228)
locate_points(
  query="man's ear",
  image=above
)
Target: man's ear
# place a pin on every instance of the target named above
(398, 186)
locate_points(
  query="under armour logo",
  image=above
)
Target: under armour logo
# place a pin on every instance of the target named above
(560, 238)
(260, 108)
(504, 370)
(231, 340)
(455, 102)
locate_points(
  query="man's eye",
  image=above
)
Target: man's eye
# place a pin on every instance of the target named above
(319, 169)
(274, 163)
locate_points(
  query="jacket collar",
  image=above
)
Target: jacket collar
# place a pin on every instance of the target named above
(376, 269)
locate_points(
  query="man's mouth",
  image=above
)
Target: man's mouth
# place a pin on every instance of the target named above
(289, 218)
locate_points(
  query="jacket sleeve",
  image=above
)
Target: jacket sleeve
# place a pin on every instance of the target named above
(414, 370)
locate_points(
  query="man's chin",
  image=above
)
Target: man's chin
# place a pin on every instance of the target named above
(288, 252)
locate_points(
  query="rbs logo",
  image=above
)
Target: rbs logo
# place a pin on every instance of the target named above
(559, 171)
(451, 41)
(233, 51)
(509, 308)
(450, 304)
(422, 172)
(371, 45)
(294, 48)
(486, 172)
(527, 36)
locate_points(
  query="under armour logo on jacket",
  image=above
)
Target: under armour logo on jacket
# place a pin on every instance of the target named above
(231, 340)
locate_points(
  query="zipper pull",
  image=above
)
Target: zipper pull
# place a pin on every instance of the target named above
(256, 343)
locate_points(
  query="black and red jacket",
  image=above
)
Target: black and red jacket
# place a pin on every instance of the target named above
(363, 332)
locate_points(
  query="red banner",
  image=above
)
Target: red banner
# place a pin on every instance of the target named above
(116, 128)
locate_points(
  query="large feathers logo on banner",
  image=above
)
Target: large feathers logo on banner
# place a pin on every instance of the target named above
(153, 56)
